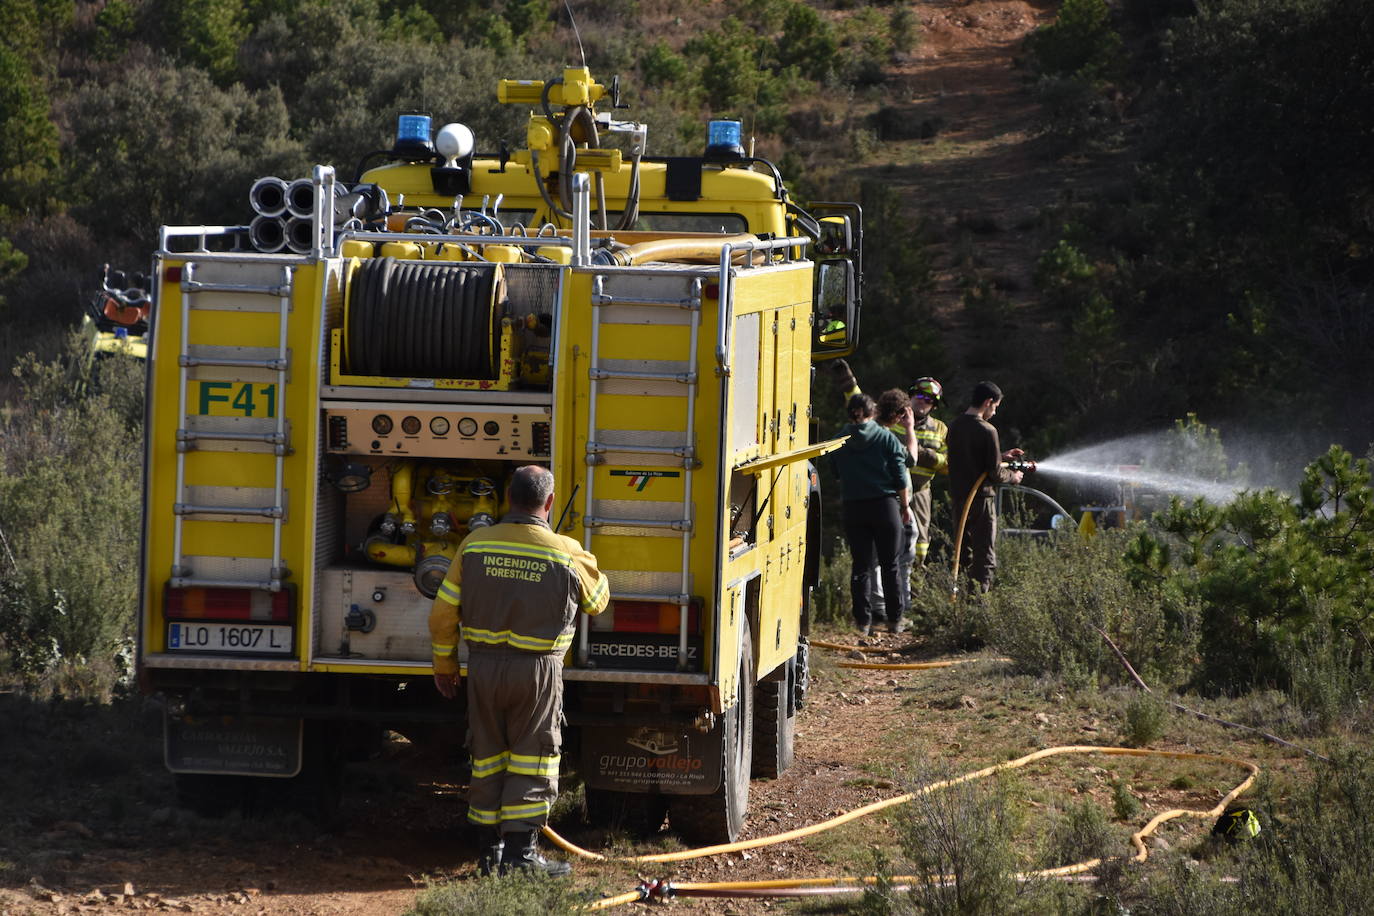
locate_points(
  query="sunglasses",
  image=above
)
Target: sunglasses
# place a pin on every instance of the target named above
(924, 397)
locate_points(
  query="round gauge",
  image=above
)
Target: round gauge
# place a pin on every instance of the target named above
(467, 427)
(410, 425)
(381, 424)
(439, 426)
(491, 428)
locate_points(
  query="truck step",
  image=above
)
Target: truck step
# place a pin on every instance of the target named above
(191, 362)
(678, 451)
(271, 585)
(260, 511)
(688, 303)
(686, 378)
(193, 435)
(670, 524)
(191, 285)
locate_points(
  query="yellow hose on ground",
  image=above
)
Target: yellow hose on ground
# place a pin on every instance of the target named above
(1137, 838)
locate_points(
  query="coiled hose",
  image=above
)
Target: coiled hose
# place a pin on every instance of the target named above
(405, 319)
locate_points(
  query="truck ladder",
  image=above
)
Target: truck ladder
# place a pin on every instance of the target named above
(601, 443)
(190, 439)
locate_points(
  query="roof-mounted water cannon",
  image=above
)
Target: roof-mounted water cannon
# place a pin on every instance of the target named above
(566, 142)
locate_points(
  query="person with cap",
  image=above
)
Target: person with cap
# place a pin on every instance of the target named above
(975, 469)
(519, 586)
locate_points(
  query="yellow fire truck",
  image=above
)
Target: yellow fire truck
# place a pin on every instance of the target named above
(339, 390)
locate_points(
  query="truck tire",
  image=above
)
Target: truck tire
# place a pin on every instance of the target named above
(775, 724)
(719, 817)
(638, 814)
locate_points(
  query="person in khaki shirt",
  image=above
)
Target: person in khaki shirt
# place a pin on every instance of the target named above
(519, 587)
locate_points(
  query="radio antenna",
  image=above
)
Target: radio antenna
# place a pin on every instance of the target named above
(576, 34)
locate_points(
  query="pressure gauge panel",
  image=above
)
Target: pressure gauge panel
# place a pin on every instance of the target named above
(514, 432)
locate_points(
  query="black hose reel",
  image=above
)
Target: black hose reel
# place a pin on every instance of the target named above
(407, 319)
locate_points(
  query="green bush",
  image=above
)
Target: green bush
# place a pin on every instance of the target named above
(70, 479)
(1052, 599)
(967, 833)
(1283, 587)
(1146, 716)
(1080, 42)
(514, 895)
(830, 599)
(1124, 803)
(1082, 833)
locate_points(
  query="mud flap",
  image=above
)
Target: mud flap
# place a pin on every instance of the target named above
(653, 759)
(233, 745)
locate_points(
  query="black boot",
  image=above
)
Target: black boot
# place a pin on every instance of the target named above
(521, 853)
(489, 848)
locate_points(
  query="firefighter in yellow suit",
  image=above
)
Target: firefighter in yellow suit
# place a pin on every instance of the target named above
(519, 586)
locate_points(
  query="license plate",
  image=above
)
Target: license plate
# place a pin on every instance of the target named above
(245, 638)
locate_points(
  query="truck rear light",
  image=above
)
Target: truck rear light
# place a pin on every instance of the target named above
(648, 617)
(227, 604)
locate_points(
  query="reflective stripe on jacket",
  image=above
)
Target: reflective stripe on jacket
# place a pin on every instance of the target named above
(931, 452)
(519, 585)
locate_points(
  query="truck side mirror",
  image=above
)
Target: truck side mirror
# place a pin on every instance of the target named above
(835, 331)
(835, 236)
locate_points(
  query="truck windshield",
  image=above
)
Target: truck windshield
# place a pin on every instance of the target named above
(690, 222)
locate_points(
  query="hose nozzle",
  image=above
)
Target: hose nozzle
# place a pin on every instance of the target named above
(1025, 465)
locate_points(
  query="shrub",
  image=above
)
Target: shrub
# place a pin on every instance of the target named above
(70, 478)
(514, 895)
(1082, 833)
(830, 599)
(1080, 42)
(1146, 716)
(1124, 803)
(965, 833)
(1276, 581)
(1053, 598)
(661, 65)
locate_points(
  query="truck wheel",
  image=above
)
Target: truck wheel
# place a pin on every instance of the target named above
(719, 817)
(775, 724)
(635, 813)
